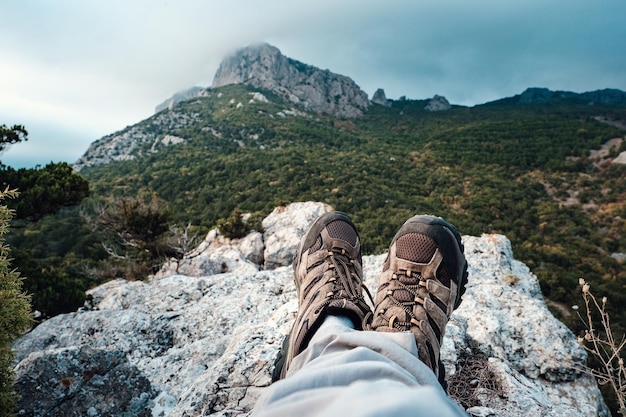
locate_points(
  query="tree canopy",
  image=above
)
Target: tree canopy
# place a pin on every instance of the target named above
(44, 191)
(11, 135)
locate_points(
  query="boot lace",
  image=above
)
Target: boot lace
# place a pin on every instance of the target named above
(346, 282)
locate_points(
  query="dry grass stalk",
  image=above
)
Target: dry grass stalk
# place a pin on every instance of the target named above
(601, 344)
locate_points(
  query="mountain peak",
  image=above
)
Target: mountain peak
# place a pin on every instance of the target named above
(264, 66)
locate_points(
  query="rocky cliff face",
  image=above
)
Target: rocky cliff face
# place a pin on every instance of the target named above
(263, 66)
(379, 97)
(136, 141)
(205, 343)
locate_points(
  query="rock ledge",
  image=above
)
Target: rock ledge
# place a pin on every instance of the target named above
(179, 345)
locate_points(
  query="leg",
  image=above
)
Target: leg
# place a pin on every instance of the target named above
(357, 373)
(329, 280)
(331, 367)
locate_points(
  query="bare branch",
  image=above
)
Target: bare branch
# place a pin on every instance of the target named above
(110, 250)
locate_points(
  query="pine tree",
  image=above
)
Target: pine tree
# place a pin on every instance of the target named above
(14, 312)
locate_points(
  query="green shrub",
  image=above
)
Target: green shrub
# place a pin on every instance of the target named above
(233, 227)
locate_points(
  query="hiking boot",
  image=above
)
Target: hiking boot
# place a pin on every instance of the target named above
(423, 279)
(329, 281)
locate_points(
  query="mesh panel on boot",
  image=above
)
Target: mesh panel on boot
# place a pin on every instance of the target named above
(341, 230)
(416, 247)
(337, 229)
(316, 246)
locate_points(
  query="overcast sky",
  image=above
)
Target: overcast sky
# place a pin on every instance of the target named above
(73, 71)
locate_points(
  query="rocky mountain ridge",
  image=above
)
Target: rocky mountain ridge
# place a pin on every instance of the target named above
(299, 88)
(136, 141)
(535, 95)
(263, 66)
(204, 343)
(161, 130)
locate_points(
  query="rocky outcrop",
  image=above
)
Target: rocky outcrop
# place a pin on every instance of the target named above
(620, 159)
(276, 247)
(263, 66)
(438, 103)
(178, 345)
(184, 95)
(380, 98)
(217, 255)
(136, 141)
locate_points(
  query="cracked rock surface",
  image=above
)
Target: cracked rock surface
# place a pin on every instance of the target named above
(181, 345)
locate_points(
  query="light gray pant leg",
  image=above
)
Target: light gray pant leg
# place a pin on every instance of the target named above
(357, 373)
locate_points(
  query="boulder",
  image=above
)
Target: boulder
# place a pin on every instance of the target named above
(218, 254)
(283, 229)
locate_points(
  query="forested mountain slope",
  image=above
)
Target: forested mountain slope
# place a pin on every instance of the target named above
(529, 171)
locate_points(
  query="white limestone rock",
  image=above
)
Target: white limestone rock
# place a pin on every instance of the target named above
(263, 66)
(171, 140)
(207, 345)
(620, 257)
(252, 247)
(539, 397)
(218, 254)
(258, 97)
(504, 311)
(283, 229)
(276, 247)
(504, 318)
(620, 159)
